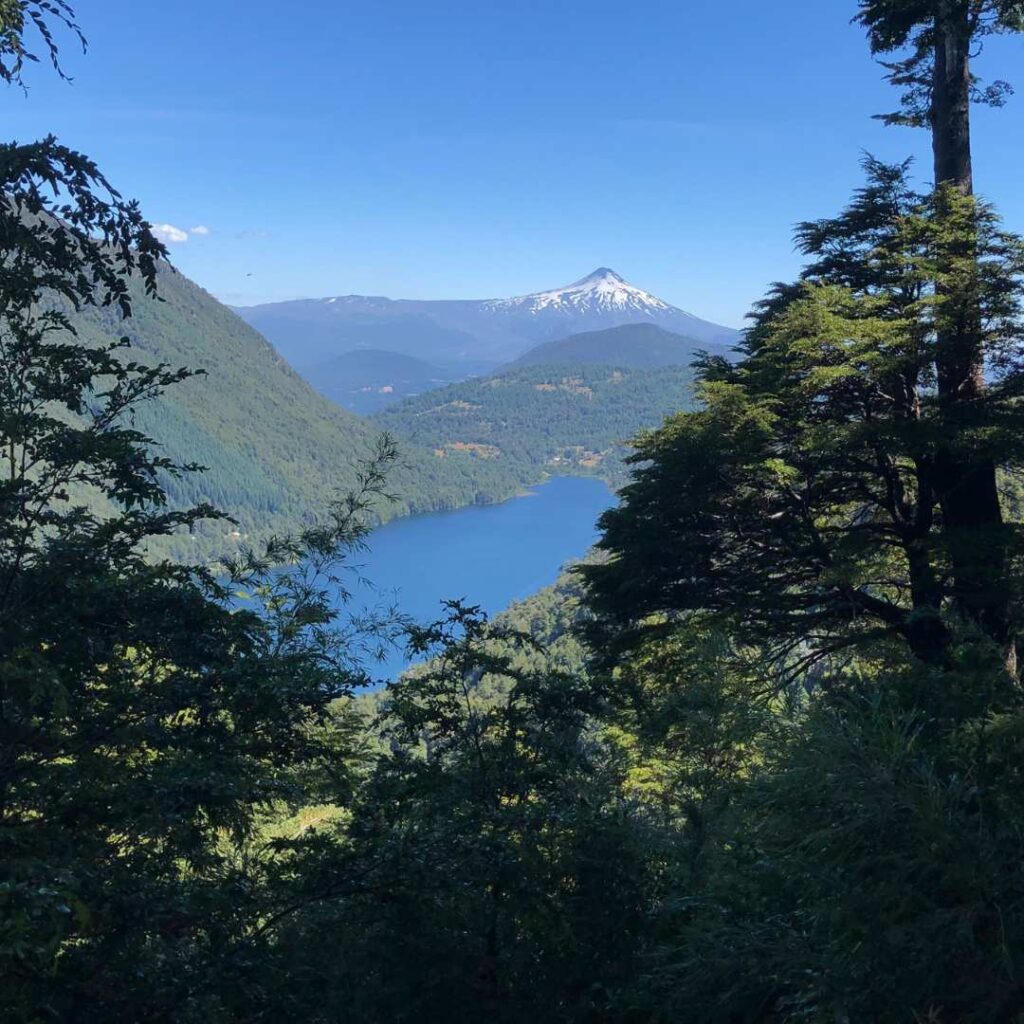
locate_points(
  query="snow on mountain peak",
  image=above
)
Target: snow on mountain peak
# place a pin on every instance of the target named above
(599, 275)
(601, 291)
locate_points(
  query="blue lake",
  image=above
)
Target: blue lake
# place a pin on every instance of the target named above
(486, 555)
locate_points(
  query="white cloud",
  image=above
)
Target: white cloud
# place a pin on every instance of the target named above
(169, 233)
(199, 229)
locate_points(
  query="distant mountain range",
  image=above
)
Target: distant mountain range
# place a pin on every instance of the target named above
(309, 331)
(639, 346)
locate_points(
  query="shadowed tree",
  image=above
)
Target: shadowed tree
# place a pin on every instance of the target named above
(498, 875)
(18, 19)
(939, 87)
(797, 507)
(146, 724)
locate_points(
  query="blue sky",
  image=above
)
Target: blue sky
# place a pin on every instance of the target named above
(477, 149)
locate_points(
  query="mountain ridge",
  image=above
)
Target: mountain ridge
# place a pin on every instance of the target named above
(365, 380)
(639, 346)
(454, 330)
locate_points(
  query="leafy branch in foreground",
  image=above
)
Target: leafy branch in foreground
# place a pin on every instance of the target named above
(147, 724)
(16, 16)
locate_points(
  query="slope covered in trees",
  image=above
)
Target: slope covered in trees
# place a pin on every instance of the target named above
(639, 346)
(569, 418)
(276, 451)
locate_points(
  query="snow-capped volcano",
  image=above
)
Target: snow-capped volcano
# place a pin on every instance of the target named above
(601, 291)
(456, 330)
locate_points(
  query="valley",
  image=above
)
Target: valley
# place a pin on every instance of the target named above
(555, 657)
(275, 451)
(279, 442)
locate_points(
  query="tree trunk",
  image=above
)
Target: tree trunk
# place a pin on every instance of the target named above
(965, 483)
(951, 96)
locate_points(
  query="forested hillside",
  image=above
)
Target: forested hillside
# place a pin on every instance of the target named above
(639, 346)
(277, 452)
(569, 418)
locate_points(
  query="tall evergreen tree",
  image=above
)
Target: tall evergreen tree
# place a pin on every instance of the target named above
(798, 506)
(939, 87)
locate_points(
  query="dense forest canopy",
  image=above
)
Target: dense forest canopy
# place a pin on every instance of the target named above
(758, 759)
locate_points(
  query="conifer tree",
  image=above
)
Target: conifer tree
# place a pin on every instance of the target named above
(798, 506)
(939, 87)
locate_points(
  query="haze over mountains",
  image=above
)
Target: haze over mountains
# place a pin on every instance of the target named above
(309, 331)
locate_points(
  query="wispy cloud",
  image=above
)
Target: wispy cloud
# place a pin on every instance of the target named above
(169, 234)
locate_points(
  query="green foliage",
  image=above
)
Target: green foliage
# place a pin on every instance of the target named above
(868, 872)
(145, 726)
(552, 617)
(845, 818)
(492, 871)
(742, 801)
